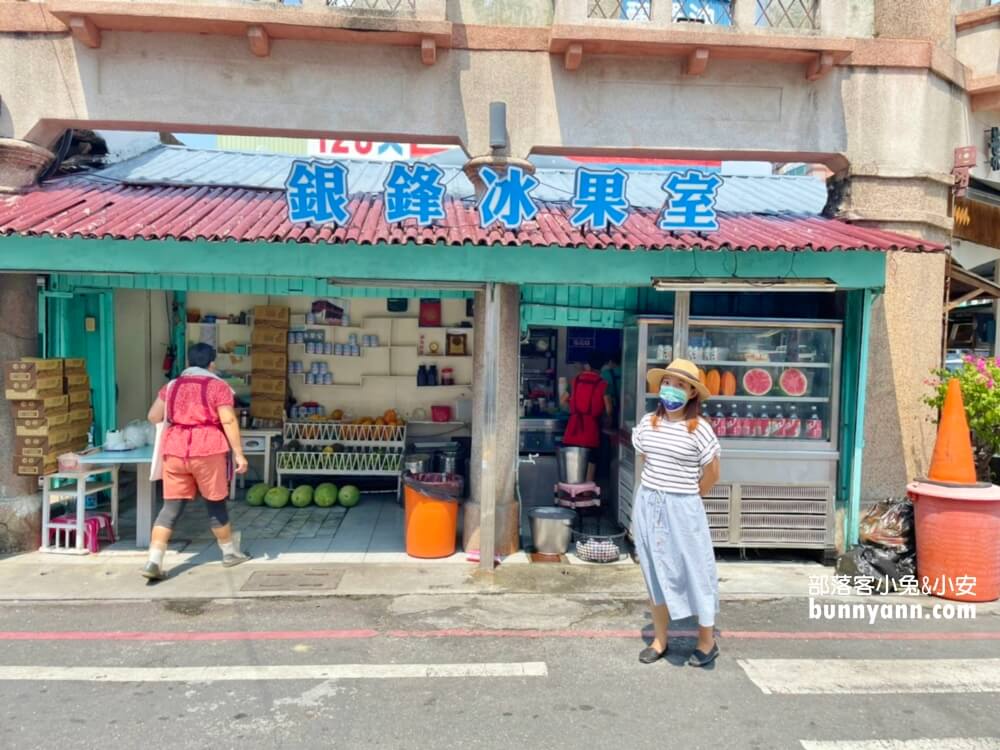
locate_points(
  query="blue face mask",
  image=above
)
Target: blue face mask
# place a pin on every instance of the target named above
(672, 398)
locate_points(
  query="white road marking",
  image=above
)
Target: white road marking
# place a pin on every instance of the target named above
(944, 743)
(281, 672)
(860, 676)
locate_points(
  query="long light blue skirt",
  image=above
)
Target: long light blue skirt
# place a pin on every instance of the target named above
(675, 552)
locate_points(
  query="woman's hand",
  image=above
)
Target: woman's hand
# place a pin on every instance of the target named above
(709, 477)
(240, 462)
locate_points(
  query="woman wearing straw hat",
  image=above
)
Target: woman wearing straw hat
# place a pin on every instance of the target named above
(680, 463)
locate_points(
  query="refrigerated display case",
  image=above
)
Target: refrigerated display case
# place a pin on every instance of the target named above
(776, 386)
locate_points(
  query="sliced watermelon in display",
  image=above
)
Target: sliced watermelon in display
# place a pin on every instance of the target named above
(793, 382)
(757, 382)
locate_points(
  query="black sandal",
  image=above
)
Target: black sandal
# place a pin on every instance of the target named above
(701, 659)
(650, 655)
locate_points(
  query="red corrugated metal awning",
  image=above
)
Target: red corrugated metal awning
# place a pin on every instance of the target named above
(94, 208)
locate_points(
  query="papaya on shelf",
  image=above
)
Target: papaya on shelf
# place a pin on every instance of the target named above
(713, 381)
(728, 384)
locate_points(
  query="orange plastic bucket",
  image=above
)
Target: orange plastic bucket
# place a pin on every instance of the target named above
(431, 514)
(958, 540)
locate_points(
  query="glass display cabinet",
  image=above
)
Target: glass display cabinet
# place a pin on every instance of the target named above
(775, 388)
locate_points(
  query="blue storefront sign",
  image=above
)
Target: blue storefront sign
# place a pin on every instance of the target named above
(317, 192)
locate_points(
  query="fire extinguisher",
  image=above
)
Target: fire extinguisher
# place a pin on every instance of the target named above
(168, 361)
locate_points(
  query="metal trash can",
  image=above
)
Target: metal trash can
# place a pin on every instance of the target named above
(551, 529)
(430, 522)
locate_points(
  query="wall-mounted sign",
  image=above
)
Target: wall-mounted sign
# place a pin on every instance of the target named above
(317, 192)
(977, 222)
(342, 148)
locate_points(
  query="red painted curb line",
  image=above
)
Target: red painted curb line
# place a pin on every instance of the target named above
(360, 634)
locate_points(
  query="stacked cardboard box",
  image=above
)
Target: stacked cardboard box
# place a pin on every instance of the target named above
(50, 403)
(269, 362)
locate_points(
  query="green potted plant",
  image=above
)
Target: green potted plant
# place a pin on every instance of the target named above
(980, 381)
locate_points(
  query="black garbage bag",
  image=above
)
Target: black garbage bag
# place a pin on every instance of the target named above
(885, 569)
(889, 525)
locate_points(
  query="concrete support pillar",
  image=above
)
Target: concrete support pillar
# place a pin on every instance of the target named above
(20, 164)
(906, 330)
(20, 503)
(505, 447)
(930, 20)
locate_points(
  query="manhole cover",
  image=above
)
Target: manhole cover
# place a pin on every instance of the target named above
(293, 580)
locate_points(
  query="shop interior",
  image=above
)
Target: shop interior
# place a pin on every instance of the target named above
(345, 392)
(352, 391)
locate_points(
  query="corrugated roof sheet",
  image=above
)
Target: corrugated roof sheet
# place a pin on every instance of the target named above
(93, 206)
(174, 165)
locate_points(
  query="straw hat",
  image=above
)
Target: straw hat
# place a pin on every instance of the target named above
(682, 369)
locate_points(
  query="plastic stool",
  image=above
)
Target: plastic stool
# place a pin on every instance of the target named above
(104, 523)
(67, 527)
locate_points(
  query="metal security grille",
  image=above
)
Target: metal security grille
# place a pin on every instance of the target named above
(621, 10)
(716, 12)
(391, 6)
(788, 14)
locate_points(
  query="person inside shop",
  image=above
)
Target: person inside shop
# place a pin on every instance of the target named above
(679, 454)
(588, 403)
(201, 431)
(611, 371)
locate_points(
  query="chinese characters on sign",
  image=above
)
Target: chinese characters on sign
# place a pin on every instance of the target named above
(317, 192)
(691, 206)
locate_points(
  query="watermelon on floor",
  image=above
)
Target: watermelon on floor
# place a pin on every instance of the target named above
(302, 496)
(349, 496)
(277, 497)
(255, 495)
(325, 495)
(793, 382)
(757, 382)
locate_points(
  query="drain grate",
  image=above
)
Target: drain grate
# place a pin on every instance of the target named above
(293, 580)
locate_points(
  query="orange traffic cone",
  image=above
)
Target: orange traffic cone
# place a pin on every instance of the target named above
(952, 461)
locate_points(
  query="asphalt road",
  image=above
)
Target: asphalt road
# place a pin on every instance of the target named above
(543, 672)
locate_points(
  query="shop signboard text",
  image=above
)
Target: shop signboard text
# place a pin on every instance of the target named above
(318, 192)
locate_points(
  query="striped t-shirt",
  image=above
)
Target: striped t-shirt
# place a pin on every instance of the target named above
(674, 456)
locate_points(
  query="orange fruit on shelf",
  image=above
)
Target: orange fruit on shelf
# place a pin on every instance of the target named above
(379, 421)
(390, 415)
(337, 414)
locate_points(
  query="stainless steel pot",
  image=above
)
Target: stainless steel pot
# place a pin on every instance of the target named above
(573, 464)
(551, 529)
(417, 463)
(447, 463)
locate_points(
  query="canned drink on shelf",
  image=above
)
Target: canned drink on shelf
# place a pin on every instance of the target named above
(310, 319)
(352, 339)
(338, 349)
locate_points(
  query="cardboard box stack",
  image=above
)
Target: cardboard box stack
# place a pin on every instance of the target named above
(50, 403)
(269, 362)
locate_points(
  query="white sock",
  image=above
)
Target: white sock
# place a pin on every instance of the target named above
(156, 554)
(228, 548)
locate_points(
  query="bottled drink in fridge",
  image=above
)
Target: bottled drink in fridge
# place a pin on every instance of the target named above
(733, 423)
(777, 426)
(814, 425)
(793, 424)
(719, 422)
(762, 424)
(747, 423)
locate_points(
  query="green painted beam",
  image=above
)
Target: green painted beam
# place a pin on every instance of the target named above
(576, 317)
(429, 263)
(247, 285)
